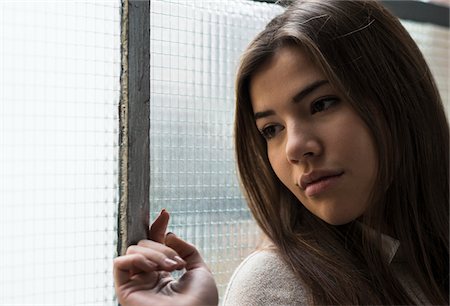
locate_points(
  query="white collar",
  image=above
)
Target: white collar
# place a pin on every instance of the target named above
(389, 245)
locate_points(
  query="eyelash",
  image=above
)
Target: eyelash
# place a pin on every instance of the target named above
(270, 131)
(333, 101)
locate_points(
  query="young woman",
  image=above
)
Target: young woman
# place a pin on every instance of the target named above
(342, 147)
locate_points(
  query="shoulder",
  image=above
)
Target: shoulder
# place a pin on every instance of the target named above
(264, 279)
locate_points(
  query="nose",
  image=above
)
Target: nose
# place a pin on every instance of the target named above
(302, 144)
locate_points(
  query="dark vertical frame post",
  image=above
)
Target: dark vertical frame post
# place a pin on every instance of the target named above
(134, 124)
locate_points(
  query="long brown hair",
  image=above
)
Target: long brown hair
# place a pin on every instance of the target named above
(368, 55)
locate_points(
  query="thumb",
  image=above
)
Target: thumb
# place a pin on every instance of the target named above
(187, 251)
(197, 284)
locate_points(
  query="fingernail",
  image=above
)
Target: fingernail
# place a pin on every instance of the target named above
(170, 233)
(179, 260)
(162, 210)
(170, 262)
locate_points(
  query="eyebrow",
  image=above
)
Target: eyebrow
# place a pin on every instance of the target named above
(296, 99)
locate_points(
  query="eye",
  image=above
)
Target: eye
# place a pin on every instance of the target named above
(270, 131)
(323, 104)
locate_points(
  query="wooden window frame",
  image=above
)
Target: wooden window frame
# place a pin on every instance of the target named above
(134, 120)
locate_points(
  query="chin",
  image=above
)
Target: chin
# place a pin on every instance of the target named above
(336, 220)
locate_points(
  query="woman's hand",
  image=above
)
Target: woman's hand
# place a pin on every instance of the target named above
(142, 276)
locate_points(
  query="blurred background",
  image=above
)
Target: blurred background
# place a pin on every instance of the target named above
(60, 89)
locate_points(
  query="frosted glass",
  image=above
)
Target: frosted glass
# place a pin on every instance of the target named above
(434, 42)
(195, 48)
(59, 89)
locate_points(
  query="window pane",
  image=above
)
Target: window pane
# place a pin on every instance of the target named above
(59, 89)
(195, 48)
(434, 42)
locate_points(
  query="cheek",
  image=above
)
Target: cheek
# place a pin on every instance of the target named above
(279, 164)
(362, 158)
(283, 170)
(364, 150)
(354, 142)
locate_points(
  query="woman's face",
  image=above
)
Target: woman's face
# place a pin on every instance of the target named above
(316, 143)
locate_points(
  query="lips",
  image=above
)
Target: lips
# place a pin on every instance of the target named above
(317, 176)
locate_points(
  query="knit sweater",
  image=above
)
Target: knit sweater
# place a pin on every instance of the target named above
(264, 279)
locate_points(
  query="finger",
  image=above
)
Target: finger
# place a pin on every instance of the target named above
(167, 251)
(135, 263)
(158, 228)
(166, 258)
(187, 251)
(120, 271)
(198, 278)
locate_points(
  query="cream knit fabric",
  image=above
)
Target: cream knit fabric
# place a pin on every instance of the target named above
(264, 279)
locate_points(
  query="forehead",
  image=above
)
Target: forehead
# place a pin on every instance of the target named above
(281, 76)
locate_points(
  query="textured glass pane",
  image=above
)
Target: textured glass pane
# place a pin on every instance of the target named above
(195, 48)
(59, 89)
(434, 42)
